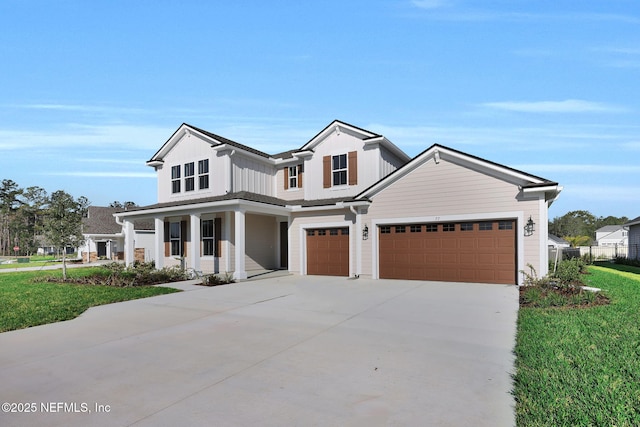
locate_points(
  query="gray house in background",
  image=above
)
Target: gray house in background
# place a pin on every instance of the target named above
(104, 236)
(634, 238)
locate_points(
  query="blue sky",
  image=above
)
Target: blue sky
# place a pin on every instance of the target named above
(91, 89)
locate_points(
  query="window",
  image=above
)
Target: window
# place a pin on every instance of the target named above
(385, 229)
(505, 225)
(416, 228)
(322, 232)
(339, 169)
(401, 229)
(431, 228)
(466, 226)
(449, 227)
(189, 182)
(311, 232)
(293, 176)
(333, 232)
(175, 179)
(208, 238)
(485, 226)
(345, 231)
(175, 239)
(203, 174)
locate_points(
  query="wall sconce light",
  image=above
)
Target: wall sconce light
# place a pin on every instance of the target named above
(529, 227)
(365, 233)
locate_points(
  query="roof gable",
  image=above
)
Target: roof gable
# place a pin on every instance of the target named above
(438, 153)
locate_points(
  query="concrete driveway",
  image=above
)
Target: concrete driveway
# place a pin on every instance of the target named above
(285, 351)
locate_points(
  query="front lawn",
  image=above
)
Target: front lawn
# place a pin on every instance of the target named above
(581, 366)
(24, 303)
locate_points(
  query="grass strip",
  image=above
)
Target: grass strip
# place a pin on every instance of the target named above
(581, 367)
(24, 303)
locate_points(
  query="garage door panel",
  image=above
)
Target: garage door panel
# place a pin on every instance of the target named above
(328, 252)
(466, 254)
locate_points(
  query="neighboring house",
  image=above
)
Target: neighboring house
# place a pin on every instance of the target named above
(104, 237)
(612, 235)
(347, 203)
(557, 242)
(634, 238)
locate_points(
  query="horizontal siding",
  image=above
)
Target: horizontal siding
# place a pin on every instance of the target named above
(291, 193)
(445, 189)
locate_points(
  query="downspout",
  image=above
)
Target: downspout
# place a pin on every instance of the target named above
(358, 242)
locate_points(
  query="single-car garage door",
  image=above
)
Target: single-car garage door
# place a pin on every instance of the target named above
(480, 251)
(328, 251)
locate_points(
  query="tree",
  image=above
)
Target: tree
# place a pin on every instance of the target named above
(29, 218)
(63, 224)
(579, 227)
(9, 203)
(125, 205)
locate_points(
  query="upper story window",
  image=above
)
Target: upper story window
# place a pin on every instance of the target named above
(293, 177)
(175, 179)
(203, 174)
(339, 169)
(189, 180)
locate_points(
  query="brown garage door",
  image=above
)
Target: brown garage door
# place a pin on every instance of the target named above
(328, 251)
(481, 251)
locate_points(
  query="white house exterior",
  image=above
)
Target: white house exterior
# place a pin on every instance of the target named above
(349, 203)
(634, 238)
(612, 235)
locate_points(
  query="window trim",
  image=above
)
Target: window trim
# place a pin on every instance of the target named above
(203, 174)
(342, 173)
(293, 176)
(208, 242)
(175, 179)
(173, 239)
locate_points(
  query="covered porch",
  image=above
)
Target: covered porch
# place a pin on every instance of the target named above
(230, 236)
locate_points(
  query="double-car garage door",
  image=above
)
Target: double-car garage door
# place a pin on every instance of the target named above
(480, 251)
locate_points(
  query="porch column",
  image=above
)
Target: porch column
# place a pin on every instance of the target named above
(129, 243)
(358, 242)
(240, 272)
(226, 234)
(194, 244)
(158, 255)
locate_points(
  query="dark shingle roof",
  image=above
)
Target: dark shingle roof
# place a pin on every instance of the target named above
(229, 141)
(100, 220)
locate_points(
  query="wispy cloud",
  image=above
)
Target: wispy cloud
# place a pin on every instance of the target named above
(566, 106)
(609, 193)
(430, 4)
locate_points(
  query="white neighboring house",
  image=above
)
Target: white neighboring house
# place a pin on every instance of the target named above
(634, 238)
(558, 242)
(104, 237)
(612, 235)
(348, 202)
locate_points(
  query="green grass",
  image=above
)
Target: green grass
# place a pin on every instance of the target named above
(581, 367)
(24, 303)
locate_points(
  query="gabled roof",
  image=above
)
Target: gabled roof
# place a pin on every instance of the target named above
(528, 182)
(610, 228)
(100, 220)
(212, 138)
(635, 221)
(557, 240)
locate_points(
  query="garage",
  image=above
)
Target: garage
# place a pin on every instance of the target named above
(328, 251)
(472, 251)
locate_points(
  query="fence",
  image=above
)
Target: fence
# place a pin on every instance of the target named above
(597, 253)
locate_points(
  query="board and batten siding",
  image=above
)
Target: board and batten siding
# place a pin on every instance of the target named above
(190, 149)
(252, 176)
(437, 192)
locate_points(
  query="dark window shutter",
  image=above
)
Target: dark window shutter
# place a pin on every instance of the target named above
(300, 176)
(167, 245)
(286, 177)
(218, 237)
(326, 171)
(353, 167)
(184, 234)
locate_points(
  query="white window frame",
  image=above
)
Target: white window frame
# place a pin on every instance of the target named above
(173, 238)
(175, 179)
(189, 174)
(293, 176)
(337, 171)
(203, 174)
(207, 239)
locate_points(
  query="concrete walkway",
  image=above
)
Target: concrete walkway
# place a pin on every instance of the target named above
(284, 351)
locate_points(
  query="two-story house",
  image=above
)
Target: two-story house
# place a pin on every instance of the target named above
(612, 235)
(348, 202)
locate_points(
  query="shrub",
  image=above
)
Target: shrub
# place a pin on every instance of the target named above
(627, 261)
(569, 272)
(215, 280)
